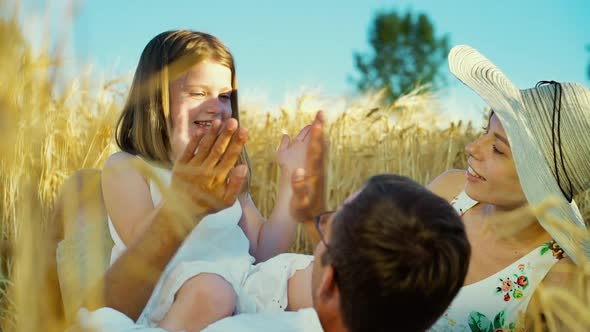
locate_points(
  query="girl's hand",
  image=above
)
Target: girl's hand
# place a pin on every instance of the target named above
(209, 179)
(291, 154)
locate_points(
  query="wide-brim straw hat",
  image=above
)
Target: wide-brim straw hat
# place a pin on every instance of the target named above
(548, 128)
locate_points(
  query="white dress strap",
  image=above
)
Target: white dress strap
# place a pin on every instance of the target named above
(462, 203)
(119, 246)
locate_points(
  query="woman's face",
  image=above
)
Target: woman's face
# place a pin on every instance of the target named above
(492, 176)
(197, 98)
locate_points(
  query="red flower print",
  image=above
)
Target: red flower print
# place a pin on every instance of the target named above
(506, 297)
(558, 252)
(507, 285)
(522, 281)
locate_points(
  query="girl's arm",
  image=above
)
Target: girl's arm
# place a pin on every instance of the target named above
(126, 196)
(275, 236)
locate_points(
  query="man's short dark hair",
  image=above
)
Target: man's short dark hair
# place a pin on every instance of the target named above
(400, 254)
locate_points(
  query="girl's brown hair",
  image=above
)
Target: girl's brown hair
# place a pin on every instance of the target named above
(144, 127)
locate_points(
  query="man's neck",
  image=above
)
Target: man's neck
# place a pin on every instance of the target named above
(332, 322)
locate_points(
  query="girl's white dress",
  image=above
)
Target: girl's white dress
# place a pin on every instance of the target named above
(218, 245)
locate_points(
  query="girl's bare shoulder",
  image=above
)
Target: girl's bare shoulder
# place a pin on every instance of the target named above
(118, 158)
(121, 179)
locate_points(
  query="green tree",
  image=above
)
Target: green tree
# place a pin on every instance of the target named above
(405, 53)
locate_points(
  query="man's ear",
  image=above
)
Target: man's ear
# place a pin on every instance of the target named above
(328, 291)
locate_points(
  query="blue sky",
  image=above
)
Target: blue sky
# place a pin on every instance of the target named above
(284, 46)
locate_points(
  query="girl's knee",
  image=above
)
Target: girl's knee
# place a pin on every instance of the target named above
(211, 290)
(299, 289)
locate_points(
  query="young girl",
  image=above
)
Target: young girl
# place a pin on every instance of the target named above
(184, 85)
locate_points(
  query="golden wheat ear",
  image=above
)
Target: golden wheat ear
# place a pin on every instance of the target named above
(83, 252)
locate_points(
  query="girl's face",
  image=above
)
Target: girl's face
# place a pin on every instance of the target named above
(492, 176)
(197, 98)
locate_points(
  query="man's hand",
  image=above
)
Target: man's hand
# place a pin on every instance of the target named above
(309, 183)
(209, 178)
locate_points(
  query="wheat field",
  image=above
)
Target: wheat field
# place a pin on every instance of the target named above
(49, 130)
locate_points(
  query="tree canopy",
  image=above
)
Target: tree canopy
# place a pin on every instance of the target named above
(405, 53)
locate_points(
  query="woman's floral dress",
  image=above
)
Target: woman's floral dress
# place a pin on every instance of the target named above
(499, 302)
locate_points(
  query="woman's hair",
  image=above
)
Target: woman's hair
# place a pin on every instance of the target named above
(144, 127)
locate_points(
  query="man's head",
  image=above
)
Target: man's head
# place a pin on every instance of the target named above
(392, 257)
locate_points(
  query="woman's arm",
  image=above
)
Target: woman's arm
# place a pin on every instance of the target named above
(560, 300)
(448, 184)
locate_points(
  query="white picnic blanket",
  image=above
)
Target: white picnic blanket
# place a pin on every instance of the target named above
(304, 320)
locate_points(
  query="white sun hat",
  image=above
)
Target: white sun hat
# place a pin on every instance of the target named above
(548, 128)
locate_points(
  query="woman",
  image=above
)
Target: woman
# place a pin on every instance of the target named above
(537, 144)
